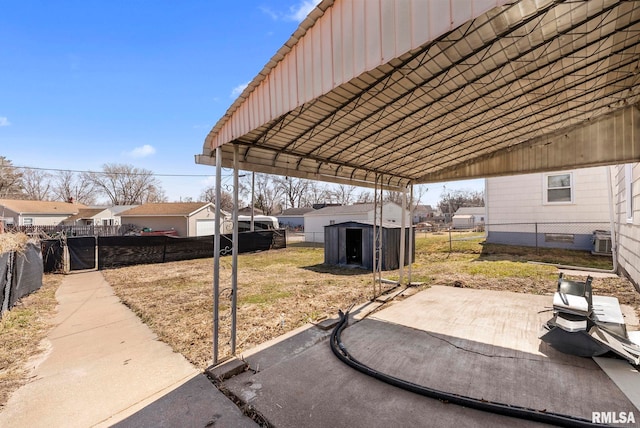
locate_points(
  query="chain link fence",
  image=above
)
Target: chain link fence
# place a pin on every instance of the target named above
(306, 239)
(586, 236)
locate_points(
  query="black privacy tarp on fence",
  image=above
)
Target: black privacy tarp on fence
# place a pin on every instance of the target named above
(6, 270)
(52, 254)
(114, 251)
(20, 274)
(82, 252)
(27, 272)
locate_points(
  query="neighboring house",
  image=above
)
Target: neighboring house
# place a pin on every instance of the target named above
(185, 218)
(17, 212)
(556, 209)
(626, 207)
(422, 213)
(293, 218)
(315, 221)
(468, 217)
(98, 216)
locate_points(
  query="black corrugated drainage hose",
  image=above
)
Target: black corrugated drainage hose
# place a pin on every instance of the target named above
(557, 419)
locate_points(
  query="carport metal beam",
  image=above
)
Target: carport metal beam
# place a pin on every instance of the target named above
(608, 140)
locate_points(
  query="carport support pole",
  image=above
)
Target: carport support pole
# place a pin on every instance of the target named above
(411, 232)
(374, 244)
(403, 228)
(216, 256)
(234, 254)
(253, 200)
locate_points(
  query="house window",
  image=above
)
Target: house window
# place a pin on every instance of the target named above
(558, 188)
(27, 221)
(107, 222)
(628, 188)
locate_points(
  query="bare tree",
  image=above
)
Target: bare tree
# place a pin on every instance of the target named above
(315, 194)
(450, 201)
(10, 180)
(396, 197)
(127, 185)
(154, 194)
(267, 194)
(209, 195)
(36, 184)
(343, 194)
(71, 186)
(293, 190)
(364, 197)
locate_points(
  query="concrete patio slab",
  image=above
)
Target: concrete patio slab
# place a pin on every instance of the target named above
(478, 343)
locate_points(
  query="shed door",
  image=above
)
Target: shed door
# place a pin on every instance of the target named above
(205, 227)
(354, 246)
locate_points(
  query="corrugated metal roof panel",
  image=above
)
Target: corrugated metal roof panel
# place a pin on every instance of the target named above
(509, 76)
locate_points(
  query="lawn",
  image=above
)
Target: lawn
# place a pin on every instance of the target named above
(21, 332)
(280, 290)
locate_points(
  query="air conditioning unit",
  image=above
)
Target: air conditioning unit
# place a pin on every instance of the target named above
(601, 243)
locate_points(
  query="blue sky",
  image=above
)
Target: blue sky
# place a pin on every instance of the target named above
(83, 83)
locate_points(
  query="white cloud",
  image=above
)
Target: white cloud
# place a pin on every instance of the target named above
(4, 121)
(300, 11)
(235, 92)
(267, 11)
(141, 152)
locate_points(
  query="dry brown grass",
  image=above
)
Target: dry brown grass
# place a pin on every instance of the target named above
(277, 292)
(283, 289)
(10, 242)
(21, 332)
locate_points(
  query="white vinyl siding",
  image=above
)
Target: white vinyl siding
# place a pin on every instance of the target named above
(628, 187)
(521, 199)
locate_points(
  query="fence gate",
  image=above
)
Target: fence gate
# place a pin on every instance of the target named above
(82, 253)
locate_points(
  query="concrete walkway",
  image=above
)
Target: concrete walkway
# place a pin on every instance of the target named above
(106, 367)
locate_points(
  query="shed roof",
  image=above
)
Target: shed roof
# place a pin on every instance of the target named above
(166, 209)
(385, 224)
(41, 207)
(470, 210)
(295, 212)
(420, 91)
(462, 216)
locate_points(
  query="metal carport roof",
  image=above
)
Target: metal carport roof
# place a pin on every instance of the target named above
(395, 93)
(421, 91)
